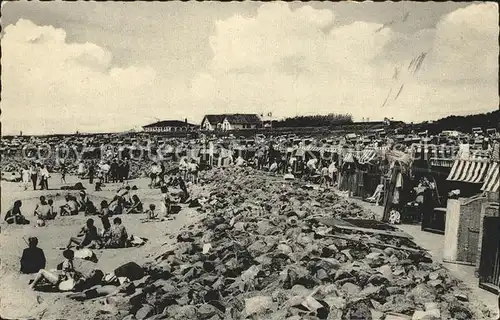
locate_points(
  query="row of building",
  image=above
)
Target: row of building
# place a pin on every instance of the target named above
(211, 122)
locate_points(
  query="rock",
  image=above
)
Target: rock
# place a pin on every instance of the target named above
(351, 289)
(423, 293)
(398, 303)
(386, 271)
(378, 280)
(435, 283)
(360, 309)
(459, 311)
(377, 315)
(144, 312)
(285, 249)
(377, 293)
(239, 226)
(206, 311)
(395, 290)
(120, 303)
(258, 305)
(257, 248)
(461, 296)
(264, 227)
(397, 316)
(321, 274)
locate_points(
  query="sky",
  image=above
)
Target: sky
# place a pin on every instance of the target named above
(111, 66)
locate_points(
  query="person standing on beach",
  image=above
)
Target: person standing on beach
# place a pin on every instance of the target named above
(34, 175)
(25, 174)
(91, 172)
(81, 170)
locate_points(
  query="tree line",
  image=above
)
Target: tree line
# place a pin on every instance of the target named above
(313, 121)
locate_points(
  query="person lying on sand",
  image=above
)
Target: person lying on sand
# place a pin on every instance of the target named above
(70, 207)
(118, 281)
(64, 277)
(14, 214)
(88, 237)
(33, 258)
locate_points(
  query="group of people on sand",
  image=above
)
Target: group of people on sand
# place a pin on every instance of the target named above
(110, 236)
(66, 278)
(35, 174)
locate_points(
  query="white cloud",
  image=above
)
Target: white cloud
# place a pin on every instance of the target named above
(280, 60)
(50, 85)
(284, 61)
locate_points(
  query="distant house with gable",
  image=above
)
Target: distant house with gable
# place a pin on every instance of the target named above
(229, 122)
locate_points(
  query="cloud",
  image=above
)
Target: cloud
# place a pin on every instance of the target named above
(290, 61)
(280, 60)
(50, 85)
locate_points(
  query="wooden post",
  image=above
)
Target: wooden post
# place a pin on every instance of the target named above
(450, 248)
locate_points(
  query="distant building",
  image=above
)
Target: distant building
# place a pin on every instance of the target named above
(228, 122)
(212, 122)
(170, 126)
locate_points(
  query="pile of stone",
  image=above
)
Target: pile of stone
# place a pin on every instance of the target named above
(262, 253)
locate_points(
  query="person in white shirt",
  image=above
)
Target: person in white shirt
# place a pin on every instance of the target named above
(105, 171)
(81, 170)
(44, 174)
(25, 175)
(332, 171)
(193, 171)
(240, 161)
(311, 167)
(274, 167)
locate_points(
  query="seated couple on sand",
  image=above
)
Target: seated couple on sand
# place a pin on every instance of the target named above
(89, 237)
(75, 205)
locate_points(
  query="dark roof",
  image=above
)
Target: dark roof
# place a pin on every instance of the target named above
(236, 118)
(243, 118)
(170, 123)
(215, 118)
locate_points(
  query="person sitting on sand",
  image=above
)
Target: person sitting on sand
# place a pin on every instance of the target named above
(165, 202)
(70, 207)
(14, 214)
(116, 205)
(150, 213)
(87, 237)
(124, 193)
(104, 214)
(43, 209)
(118, 235)
(33, 258)
(136, 206)
(85, 205)
(64, 277)
(52, 213)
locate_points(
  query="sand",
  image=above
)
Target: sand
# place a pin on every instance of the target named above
(18, 301)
